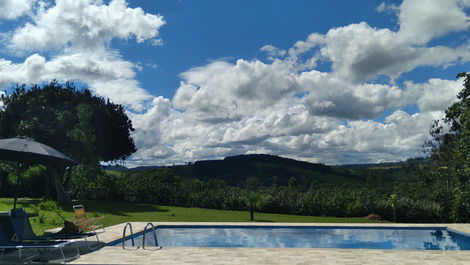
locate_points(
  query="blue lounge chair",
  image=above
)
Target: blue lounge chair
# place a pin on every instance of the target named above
(6, 243)
(24, 231)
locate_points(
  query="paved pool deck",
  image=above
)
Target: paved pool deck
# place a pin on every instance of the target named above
(290, 256)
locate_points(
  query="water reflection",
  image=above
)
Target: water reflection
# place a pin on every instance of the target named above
(264, 237)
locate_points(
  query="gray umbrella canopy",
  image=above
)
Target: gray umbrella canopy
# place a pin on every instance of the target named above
(26, 150)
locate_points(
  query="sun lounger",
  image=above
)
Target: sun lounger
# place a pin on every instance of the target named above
(84, 223)
(6, 243)
(24, 231)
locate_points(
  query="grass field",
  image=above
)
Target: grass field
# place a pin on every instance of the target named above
(120, 212)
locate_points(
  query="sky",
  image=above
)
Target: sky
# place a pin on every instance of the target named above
(335, 82)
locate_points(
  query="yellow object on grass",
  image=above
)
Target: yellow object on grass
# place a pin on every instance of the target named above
(85, 224)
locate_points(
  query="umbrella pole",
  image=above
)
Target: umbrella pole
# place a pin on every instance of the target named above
(18, 183)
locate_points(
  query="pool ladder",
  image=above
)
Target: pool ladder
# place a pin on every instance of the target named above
(154, 235)
(124, 236)
(143, 238)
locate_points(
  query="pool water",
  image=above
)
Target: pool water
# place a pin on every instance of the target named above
(305, 237)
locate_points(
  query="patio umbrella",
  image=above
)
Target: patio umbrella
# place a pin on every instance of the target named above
(26, 150)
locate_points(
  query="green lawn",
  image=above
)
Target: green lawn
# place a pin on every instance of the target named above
(120, 212)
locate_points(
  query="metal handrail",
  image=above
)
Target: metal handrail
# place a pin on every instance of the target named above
(124, 235)
(145, 233)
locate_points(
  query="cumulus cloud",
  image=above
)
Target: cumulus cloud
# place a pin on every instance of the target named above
(335, 97)
(422, 20)
(77, 35)
(85, 24)
(303, 46)
(400, 136)
(287, 107)
(12, 9)
(170, 136)
(360, 53)
(291, 125)
(224, 91)
(273, 51)
(108, 76)
(434, 95)
(173, 137)
(387, 7)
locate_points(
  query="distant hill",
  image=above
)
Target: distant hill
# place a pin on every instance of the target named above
(237, 168)
(115, 168)
(265, 168)
(269, 168)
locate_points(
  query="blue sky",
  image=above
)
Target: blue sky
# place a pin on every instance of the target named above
(311, 80)
(198, 32)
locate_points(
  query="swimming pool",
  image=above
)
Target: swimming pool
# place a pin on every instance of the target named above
(429, 238)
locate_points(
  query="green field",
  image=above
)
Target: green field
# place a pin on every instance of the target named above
(120, 212)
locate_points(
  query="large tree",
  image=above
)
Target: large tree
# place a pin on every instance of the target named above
(450, 150)
(84, 126)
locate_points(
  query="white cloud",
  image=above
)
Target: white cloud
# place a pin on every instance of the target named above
(273, 51)
(423, 20)
(85, 24)
(290, 125)
(78, 33)
(386, 7)
(335, 97)
(360, 53)
(301, 47)
(108, 76)
(435, 95)
(12, 9)
(287, 107)
(174, 137)
(180, 137)
(224, 91)
(400, 136)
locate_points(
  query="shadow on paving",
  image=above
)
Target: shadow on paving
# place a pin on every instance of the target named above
(52, 256)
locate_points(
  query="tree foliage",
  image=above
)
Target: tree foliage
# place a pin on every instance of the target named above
(86, 127)
(450, 152)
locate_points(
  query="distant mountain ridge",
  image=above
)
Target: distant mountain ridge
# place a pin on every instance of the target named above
(238, 158)
(274, 158)
(236, 169)
(280, 160)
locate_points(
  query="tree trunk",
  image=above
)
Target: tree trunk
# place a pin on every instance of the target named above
(47, 192)
(68, 176)
(61, 193)
(252, 213)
